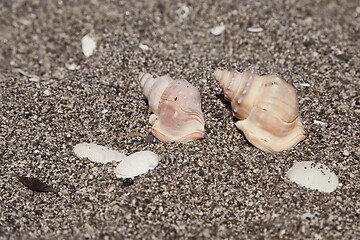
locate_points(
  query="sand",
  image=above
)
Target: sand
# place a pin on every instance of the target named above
(53, 97)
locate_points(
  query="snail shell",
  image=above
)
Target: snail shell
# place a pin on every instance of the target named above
(267, 107)
(176, 105)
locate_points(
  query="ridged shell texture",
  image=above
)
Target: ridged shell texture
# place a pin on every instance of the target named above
(267, 107)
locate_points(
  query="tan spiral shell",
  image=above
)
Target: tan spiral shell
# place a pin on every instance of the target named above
(176, 105)
(267, 107)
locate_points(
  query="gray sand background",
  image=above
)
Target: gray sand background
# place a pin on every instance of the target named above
(219, 188)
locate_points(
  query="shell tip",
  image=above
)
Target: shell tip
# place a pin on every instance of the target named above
(217, 74)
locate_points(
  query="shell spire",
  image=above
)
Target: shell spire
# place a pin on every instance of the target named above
(266, 106)
(176, 105)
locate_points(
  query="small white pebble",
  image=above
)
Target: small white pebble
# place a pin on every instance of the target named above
(255, 29)
(319, 123)
(47, 92)
(144, 47)
(317, 236)
(104, 111)
(304, 84)
(281, 61)
(200, 163)
(184, 11)
(34, 79)
(218, 29)
(71, 66)
(88, 45)
(315, 54)
(346, 152)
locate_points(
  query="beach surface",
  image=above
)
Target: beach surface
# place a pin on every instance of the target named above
(222, 187)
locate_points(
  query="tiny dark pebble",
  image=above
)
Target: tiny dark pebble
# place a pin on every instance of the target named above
(344, 57)
(344, 81)
(147, 200)
(127, 182)
(10, 220)
(38, 212)
(309, 42)
(219, 115)
(67, 138)
(230, 162)
(72, 189)
(149, 138)
(207, 130)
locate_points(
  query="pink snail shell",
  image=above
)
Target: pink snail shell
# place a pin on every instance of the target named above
(176, 105)
(267, 107)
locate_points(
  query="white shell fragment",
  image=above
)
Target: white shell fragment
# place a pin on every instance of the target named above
(304, 84)
(47, 92)
(144, 47)
(255, 29)
(136, 164)
(34, 79)
(88, 45)
(314, 176)
(72, 66)
(97, 153)
(218, 30)
(317, 122)
(308, 215)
